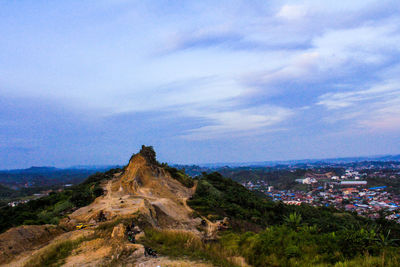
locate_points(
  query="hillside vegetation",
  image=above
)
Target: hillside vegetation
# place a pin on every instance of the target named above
(293, 235)
(49, 209)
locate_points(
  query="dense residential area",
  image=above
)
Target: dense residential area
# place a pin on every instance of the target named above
(368, 189)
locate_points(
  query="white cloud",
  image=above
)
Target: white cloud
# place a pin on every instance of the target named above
(388, 90)
(374, 108)
(292, 12)
(239, 122)
(115, 64)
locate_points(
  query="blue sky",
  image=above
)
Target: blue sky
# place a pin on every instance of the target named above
(89, 82)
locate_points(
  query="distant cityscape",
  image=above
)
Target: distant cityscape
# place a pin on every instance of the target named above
(350, 191)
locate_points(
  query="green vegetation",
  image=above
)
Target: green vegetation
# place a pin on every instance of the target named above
(393, 184)
(51, 208)
(176, 244)
(282, 245)
(293, 235)
(105, 229)
(8, 194)
(149, 154)
(281, 179)
(179, 175)
(217, 197)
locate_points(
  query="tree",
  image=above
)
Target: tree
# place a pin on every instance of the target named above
(293, 220)
(149, 154)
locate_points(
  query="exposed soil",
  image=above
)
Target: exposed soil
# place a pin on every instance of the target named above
(24, 238)
(145, 189)
(21, 259)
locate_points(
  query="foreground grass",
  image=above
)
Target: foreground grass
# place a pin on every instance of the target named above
(388, 258)
(178, 244)
(55, 254)
(281, 246)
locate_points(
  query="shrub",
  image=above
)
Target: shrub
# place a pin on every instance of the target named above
(179, 175)
(50, 208)
(181, 243)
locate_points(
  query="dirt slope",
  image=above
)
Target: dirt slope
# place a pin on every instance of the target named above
(143, 188)
(24, 238)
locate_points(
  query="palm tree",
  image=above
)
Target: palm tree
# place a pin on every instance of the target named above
(293, 220)
(385, 241)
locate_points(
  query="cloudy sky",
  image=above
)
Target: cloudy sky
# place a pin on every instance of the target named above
(89, 82)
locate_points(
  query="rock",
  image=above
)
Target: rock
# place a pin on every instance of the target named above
(136, 249)
(118, 231)
(140, 235)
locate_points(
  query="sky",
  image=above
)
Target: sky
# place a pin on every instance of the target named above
(89, 82)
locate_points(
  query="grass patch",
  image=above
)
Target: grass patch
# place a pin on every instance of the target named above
(55, 254)
(109, 225)
(106, 228)
(178, 244)
(388, 258)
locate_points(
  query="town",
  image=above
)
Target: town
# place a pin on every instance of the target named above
(350, 191)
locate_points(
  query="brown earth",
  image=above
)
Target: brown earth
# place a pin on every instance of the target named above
(24, 238)
(146, 189)
(90, 253)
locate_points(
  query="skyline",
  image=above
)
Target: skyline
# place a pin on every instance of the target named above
(340, 160)
(90, 82)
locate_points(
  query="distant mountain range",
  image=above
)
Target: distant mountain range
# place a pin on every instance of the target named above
(385, 158)
(50, 169)
(100, 168)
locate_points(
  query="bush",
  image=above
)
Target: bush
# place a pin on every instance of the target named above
(181, 243)
(294, 235)
(50, 208)
(179, 175)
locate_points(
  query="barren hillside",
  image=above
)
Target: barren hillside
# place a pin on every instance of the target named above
(142, 188)
(144, 194)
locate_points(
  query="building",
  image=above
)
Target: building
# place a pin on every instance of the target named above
(307, 180)
(353, 183)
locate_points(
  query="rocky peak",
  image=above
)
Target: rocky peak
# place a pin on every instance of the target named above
(148, 153)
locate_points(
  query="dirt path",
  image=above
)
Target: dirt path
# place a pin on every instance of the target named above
(164, 261)
(109, 192)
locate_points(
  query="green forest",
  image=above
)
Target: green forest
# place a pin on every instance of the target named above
(50, 209)
(269, 233)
